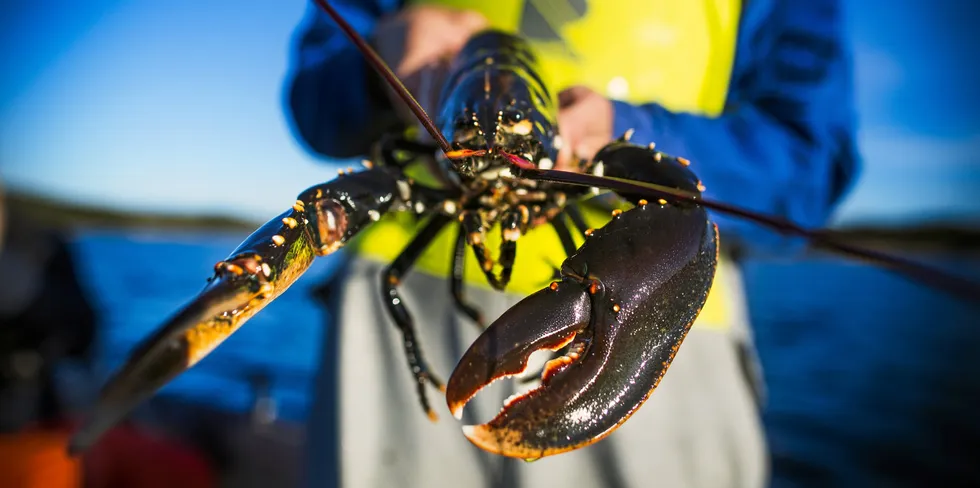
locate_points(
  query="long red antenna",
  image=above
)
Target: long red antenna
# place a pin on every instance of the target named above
(382, 68)
(956, 285)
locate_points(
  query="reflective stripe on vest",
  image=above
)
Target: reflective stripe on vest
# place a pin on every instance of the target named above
(675, 53)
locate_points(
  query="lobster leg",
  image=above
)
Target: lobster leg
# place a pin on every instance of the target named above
(575, 215)
(558, 223)
(456, 281)
(321, 221)
(399, 313)
(513, 224)
(471, 224)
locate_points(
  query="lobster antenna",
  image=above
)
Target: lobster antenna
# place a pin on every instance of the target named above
(382, 68)
(950, 283)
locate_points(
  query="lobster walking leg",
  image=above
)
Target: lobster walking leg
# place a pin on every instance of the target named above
(399, 313)
(458, 267)
(561, 228)
(513, 225)
(471, 224)
(575, 215)
(323, 219)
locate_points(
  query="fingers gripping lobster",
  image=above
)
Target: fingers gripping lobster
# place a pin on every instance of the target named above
(616, 316)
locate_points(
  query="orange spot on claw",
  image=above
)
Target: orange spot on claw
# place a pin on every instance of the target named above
(554, 286)
(554, 366)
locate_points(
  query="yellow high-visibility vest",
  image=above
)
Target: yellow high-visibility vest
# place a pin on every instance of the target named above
(678, 53)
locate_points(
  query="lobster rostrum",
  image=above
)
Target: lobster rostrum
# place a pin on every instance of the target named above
(614, 330)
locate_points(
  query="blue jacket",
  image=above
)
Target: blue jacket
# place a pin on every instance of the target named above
(785, 144)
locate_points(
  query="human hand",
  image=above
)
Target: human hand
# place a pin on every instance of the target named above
(418, 43)
(585, 122)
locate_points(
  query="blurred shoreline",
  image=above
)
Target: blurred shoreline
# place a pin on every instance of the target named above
(939, 235)
(48, 212)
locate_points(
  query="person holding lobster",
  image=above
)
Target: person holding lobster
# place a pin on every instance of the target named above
(756, 94)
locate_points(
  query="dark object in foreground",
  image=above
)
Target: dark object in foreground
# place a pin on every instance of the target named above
(45, 318)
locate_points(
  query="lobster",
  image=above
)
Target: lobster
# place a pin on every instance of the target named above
(613, 331)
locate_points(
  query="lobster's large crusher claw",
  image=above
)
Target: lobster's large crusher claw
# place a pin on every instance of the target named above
(622, 328)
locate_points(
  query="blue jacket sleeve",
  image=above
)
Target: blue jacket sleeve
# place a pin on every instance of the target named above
(335, 99)
(785, 143)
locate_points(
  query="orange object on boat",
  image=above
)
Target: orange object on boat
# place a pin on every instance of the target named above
(36, 458)
(127, 456)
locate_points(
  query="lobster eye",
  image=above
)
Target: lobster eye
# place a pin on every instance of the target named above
(511, 116)
(515, 122)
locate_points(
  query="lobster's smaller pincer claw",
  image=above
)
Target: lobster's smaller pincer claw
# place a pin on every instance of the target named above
(185, 339)
(255, 273)
(272, 258)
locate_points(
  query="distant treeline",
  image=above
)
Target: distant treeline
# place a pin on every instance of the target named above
(44, 211)
(922, 237)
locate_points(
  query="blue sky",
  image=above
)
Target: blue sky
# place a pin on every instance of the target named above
(177, 106)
